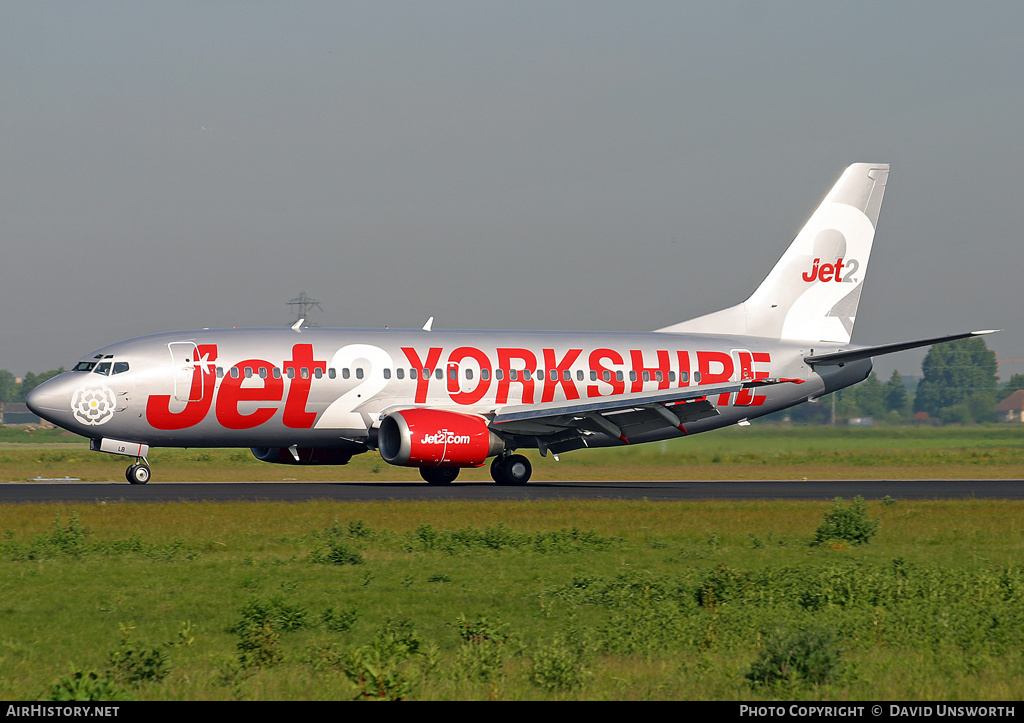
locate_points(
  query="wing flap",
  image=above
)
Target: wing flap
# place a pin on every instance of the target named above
(617, 416)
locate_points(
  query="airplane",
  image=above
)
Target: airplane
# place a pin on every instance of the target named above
(443, 401)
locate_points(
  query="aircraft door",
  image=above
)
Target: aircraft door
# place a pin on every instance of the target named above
(184, 355)
(744, 371)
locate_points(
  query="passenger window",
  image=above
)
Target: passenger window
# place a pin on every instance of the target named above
(318, 373)
(359, 372)
(331, 373)
(387, 373)
(235, 372)
(469, 374)
(696, 377)
(439, 373)
(345, 373)
(485, 374)
(400, 373)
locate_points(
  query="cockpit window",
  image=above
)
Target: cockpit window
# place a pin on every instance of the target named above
(106, 368)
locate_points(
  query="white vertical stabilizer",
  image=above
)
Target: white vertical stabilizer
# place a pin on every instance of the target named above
(813, 291)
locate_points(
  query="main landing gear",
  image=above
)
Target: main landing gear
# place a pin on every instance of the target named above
(511, 469)
(506, 469)
(138, 473)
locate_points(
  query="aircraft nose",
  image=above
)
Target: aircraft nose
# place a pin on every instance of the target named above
(50, 399)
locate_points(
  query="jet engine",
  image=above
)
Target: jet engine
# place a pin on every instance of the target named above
(436, 438)
(303, 455)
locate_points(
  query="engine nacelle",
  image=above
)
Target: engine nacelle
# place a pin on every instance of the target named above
(306, 455)
(436, 438)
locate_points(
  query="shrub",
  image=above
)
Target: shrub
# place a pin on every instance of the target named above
(277, 612)
(339, 621)
(481, 630)
(80, 685)
(558, 666)
(337, 553)
(847, 523)
(482, 654)
(258, 646)
(135, 664)
(794, 657)
(380, 669)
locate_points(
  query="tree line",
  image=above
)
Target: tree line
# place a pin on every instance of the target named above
(959, 385)
(12, 390)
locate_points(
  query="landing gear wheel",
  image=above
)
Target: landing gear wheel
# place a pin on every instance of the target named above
(137, 474)
(513, 470)
(439, 475)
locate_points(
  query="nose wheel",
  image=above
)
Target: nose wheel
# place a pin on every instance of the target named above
(138, 473)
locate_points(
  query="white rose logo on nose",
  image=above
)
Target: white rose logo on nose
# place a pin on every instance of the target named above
(93, 405)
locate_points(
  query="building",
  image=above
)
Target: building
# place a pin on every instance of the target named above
(19, 413)
(1011, 409)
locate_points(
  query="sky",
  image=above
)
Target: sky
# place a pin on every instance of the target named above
(496, 165)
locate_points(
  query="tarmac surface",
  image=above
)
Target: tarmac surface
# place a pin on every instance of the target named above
(691, 490)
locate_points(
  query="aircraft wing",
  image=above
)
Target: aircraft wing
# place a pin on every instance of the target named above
(564, 425)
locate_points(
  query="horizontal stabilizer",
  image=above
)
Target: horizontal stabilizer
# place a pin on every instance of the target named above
(843, 357)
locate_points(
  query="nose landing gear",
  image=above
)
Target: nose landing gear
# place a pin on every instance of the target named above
(138, 473)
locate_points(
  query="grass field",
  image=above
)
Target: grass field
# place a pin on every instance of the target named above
(756, 452)
(568, 600)
(510, 601)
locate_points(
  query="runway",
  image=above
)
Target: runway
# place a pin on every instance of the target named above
(349, 491)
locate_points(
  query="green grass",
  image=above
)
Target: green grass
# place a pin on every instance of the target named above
(510, 601)
(757, 452)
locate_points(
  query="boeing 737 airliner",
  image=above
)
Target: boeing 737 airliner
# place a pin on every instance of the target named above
(441, 401)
